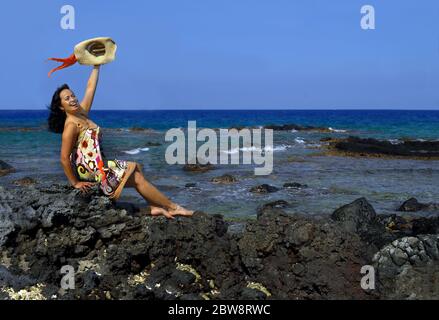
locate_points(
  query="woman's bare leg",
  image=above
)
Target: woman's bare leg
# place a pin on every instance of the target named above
(153, 195)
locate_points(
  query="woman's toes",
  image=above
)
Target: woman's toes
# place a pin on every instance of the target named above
(167, 214)
(186, 212)
(180, 211)
(177, 211)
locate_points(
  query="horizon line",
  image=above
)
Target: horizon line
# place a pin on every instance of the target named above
(243, 109)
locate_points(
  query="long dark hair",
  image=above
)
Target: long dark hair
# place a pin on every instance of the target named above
(57, 117)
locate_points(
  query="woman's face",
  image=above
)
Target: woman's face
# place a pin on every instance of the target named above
(69, 102)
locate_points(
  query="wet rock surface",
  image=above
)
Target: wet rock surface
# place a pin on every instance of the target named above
(224, 179)
(198, 167)
(278, 204)
(412, 205)
(294, 185)
(118, 251)
(152, 144)
(26, 181)
(191, 185)
(264, 188)
(5, 168)
(371, 146)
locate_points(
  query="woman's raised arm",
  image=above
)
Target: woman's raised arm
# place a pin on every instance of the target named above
(91, 89)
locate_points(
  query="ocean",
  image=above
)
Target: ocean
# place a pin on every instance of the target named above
(331, 181)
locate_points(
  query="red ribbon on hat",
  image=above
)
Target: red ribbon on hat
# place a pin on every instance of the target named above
(67, 62)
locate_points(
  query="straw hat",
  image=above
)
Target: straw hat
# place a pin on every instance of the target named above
(90, 52)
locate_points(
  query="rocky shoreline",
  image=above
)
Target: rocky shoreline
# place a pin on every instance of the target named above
(370, 147)
(118, 251)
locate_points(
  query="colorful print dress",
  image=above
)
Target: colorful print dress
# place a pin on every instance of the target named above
(90, 166)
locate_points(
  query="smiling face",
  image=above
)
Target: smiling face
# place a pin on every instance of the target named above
(69, 102)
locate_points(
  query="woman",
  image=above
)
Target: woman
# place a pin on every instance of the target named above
(81, 157)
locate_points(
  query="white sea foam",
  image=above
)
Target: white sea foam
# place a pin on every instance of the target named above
(133, 151)
(315, 145)
(299, 140)
(336, 130)
(281, 147)
(293, 130)
(136, 150)
(395, 141)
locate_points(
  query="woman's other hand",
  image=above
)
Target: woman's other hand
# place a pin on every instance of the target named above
(84, 186)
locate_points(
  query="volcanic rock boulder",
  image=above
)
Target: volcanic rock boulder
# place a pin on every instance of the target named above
(412, 205)
(360, 217)
(264, 188)
(408, 268)
(297, 257)
(224, 179)
(5, 168)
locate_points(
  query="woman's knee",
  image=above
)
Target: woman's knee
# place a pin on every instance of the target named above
(138, 167)
(138, 174)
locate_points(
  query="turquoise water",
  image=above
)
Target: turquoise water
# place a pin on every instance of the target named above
(332, 181)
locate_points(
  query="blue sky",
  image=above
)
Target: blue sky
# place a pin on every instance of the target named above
(204, 54)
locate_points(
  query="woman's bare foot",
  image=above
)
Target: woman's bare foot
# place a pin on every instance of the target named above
(158, 211)
(177, 210)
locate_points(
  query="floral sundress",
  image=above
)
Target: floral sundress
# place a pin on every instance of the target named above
(89, 163)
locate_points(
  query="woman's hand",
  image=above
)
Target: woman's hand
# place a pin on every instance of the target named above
(84, 186)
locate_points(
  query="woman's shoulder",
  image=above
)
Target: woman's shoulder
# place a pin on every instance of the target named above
(71, 124)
